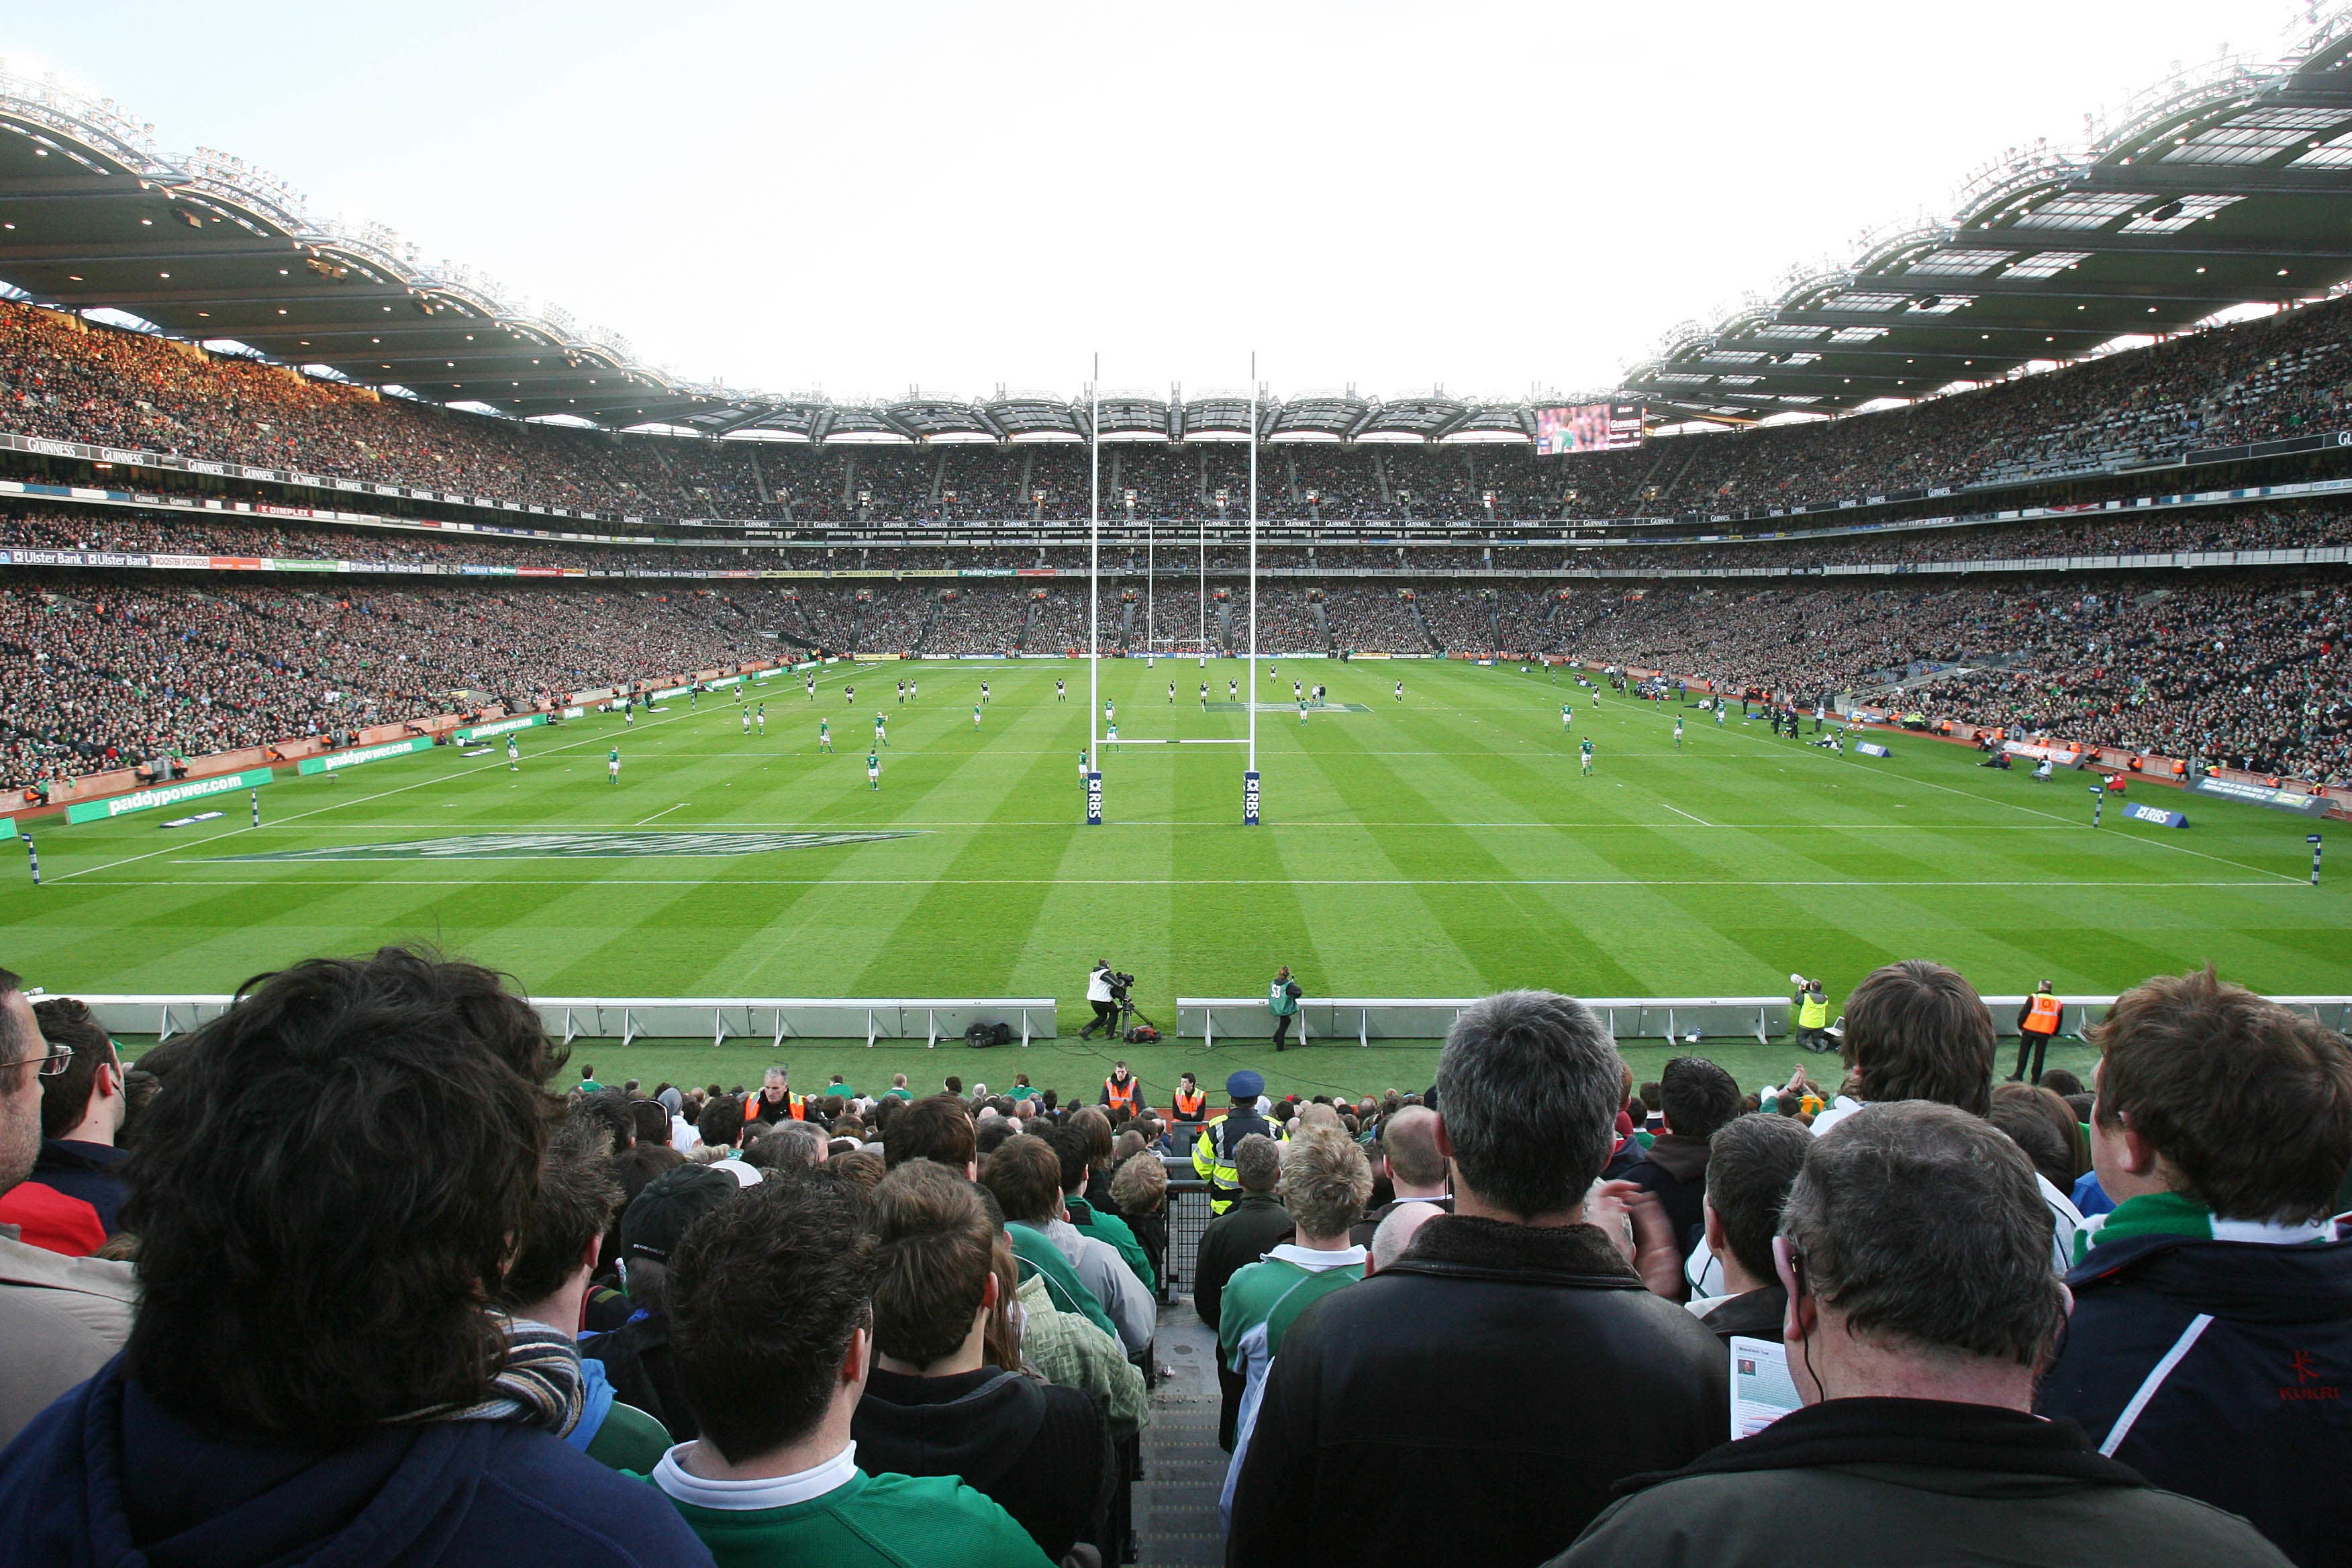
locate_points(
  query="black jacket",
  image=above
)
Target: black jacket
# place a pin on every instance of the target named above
(1044, 1453)
(1676, 1169)
(1236, 1238)
(638, 1365)
(1472, 1403)
(1886, 1483)
(1760, 1314)
(2256, 1414)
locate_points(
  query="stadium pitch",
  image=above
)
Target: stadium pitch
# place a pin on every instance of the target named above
(1446, 845)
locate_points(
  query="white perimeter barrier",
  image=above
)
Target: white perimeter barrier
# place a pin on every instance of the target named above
(631, 1018)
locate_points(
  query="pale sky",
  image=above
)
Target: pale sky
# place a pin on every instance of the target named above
(864, 199)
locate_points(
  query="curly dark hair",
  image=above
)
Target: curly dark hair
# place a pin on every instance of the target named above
(327, 1197)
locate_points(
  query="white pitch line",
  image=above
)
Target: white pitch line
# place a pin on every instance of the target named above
(591, 883)
(659, 814)
(343, 805)
(1678, 811)
(2037, 811)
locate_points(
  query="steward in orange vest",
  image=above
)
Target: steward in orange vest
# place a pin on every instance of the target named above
(1192, 1105)
(1122, 1090)
(2037, 1026)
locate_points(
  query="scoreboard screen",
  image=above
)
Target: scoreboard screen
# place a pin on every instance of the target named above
(1588, 427)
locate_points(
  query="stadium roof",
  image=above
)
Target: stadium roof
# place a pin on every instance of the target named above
(2209, 192)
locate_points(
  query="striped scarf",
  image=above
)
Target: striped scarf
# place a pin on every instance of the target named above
(2177, 1214)
(539, 1383)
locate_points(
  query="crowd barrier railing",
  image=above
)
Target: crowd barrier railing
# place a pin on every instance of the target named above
(717, 1019)
(1366, 1019)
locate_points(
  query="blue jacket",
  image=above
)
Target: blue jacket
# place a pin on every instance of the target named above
(106, 1479)
(2254, 1415)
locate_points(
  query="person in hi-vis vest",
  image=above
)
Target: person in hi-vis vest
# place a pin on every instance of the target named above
(1282, 1001)
(1813, 1014)
(1191, 1103)
(1120, 1089)
(2037, 1026)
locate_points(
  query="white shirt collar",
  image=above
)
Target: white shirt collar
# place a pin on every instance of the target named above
(768, 1491)
(1315, 1260)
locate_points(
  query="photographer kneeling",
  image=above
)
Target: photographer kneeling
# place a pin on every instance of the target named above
(1099, 996)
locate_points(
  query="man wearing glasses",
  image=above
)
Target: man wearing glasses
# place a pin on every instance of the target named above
(69, 1203)
(61, 1317)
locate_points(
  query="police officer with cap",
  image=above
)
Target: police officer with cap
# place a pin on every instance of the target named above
(1213, 1154)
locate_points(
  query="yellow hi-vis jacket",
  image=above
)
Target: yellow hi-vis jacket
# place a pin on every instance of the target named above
(1814, 1012)
(1214, 1161)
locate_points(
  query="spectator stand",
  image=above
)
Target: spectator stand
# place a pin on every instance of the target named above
(632, 1019)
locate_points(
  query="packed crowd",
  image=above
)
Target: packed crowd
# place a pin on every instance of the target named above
(462, 1320)
(2252, 674)
(2271, 527)
(2282, 376)
(98, 675)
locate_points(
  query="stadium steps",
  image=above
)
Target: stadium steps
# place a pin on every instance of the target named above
(1184, 1469)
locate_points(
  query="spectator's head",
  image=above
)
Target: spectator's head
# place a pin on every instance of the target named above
(1409, 1151)
(1025, 1174)
(898, 1080)
(721, 1122)
(651, 1121)
(990, 1134)
(771, 1313)
(935, 1284)
(86, 1101)
(1140, 1186)
(2061, 1082)
(1258, 1163)
(1915, 1030)
(952, 1084)
(1697, 1097)
(1394, 1233)
(1070, 1146)
(2041, 1123)
(1096, 1127)
(774, 1084)
(862, 1170)
(1527, 1097)
(1750, 1163)
(1325, 1181)
(22, 1051)
(2207, 1090)
(657, 1218)
(1915, 1249)
(937, 1127)
(579, 1193)
(612, 1108)
(329, 1197)
(788, 1146)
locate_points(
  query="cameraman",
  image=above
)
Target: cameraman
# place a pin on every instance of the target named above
(1098, 996)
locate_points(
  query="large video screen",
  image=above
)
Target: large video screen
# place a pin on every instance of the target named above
(1588, 427)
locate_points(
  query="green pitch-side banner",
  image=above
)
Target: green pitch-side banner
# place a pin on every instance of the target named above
(166, 795)
(483, 732)
(337, 760)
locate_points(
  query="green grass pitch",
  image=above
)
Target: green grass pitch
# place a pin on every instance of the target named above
(1442, 846)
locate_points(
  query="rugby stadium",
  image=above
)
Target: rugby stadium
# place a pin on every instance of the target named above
(1980, 598)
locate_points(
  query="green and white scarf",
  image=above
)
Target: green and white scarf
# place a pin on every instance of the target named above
(2177, 1214)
